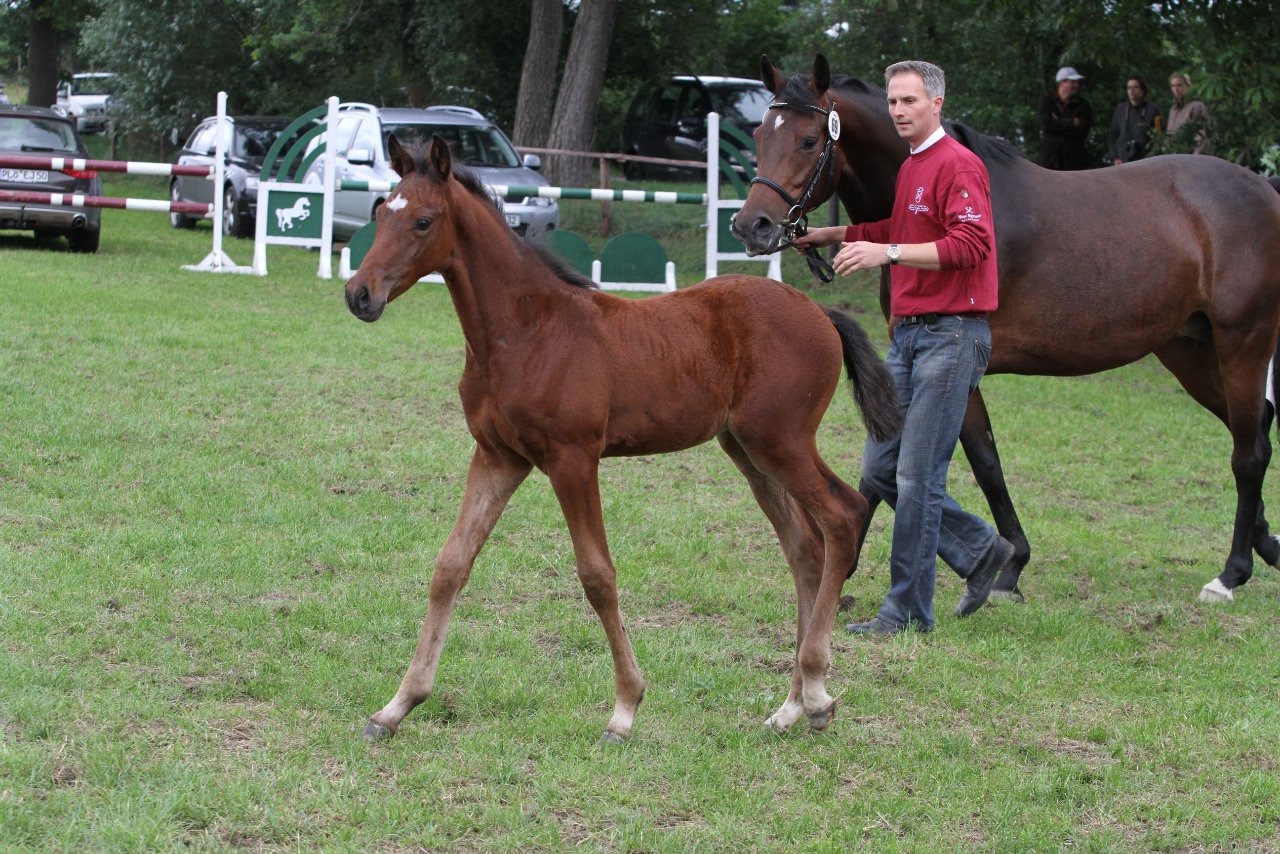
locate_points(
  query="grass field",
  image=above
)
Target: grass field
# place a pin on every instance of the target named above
(220, 502)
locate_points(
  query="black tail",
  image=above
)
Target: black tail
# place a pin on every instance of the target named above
(872, 386)
(1275, 182)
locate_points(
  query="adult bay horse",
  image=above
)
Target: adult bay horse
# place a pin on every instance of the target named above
(559, 374)
(1177, 256)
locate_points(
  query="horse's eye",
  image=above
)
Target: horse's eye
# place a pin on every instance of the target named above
(423, 223)
(808, 143)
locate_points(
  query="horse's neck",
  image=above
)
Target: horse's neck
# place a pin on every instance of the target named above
(489, 280)
(870, 155)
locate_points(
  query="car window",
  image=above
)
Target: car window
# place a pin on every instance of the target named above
(94, 85)
(695, 104)
(202, 140)
(22, 133)
(368, 138)
(665, 102)
(343, 135)
(474, 146)
(254, 141)
(742, 106)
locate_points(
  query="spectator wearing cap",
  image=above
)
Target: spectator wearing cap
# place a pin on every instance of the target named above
(1065, 121)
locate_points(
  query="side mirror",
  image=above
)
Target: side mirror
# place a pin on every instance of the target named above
(532, 161)
(360, 157)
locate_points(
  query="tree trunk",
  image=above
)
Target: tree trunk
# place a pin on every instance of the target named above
(538, 75)
(573, 127)
(42, 56)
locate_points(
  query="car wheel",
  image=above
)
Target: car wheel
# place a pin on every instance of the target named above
(176, 219)
(234, 224)
(631, 170)
(83, 240)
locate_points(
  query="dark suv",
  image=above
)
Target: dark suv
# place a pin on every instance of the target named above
(246, 146)
(41, 132)
(670, 119)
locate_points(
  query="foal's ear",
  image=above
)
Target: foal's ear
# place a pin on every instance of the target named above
(438, 156)
(400, 159)
(821, 74)
(770, 76)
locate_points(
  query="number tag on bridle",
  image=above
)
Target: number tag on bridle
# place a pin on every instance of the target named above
(833, 124)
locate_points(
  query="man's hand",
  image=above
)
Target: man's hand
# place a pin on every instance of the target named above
(860, 256)
(820, 237)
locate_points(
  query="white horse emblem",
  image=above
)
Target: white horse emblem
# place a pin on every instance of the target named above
(301, 210)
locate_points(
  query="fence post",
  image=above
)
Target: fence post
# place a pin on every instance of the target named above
(606, 208)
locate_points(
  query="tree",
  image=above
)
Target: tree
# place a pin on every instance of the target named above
(574, 125)
(538, 76)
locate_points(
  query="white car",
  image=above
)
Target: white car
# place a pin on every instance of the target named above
(361, 143)
(84, 98)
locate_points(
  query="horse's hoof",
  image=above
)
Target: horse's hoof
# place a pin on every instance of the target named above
(775, 724)
(1015, 596)
(611, 737)
(1216, 591)
(819, 721)
(377, 732)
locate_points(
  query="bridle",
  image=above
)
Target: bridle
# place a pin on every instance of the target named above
(796, 223)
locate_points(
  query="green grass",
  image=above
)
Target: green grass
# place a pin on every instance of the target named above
(220, 502)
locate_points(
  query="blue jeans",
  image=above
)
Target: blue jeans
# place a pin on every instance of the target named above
(934, 366)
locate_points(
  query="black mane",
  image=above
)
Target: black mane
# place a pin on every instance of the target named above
(472, 183)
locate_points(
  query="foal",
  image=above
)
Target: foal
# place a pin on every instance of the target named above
(559, 374)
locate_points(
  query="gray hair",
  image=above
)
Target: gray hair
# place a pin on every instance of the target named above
(935, 82)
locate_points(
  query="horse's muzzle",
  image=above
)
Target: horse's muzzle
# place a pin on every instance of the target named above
(362, 304)
(759, 234)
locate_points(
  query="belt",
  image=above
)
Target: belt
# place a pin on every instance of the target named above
(932, 317)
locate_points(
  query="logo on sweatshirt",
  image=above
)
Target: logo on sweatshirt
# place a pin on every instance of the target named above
(969, 215)
(916, 207)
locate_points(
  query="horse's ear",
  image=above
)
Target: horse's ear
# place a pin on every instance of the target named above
(821, 74)
(400, 159)
(438, 156)
(770, 76)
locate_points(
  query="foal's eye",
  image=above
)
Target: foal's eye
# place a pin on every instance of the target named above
(808, 143)
(423, 223)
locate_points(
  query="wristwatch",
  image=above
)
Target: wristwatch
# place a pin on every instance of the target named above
(894, 253)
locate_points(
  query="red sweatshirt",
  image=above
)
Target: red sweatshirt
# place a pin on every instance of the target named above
(943, 196)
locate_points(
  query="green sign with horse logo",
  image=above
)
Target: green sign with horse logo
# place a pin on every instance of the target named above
(295, 214)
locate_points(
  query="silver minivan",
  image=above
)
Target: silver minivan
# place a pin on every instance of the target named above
(361, 149)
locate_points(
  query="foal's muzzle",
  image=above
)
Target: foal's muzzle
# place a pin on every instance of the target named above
(362, 303)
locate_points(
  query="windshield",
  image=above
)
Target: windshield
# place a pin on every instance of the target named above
(36, 134)
(475, 146)
(742, 106)
(253, 141)
(93, 85)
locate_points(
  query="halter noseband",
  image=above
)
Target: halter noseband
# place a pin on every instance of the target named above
(796, 223)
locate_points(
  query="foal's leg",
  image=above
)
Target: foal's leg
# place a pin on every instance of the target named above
(574, 477)
(491, 480)
(791, 458)
(803, 548)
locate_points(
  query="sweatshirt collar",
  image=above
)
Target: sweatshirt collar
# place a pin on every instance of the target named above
(933, 137)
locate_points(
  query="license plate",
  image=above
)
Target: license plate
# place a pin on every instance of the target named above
(29, 176)
(513, 220)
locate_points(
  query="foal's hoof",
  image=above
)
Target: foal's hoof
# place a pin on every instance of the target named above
(1015, 596)
(377, 732)
(1216, 591)
(611, 737)
(819, 721)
